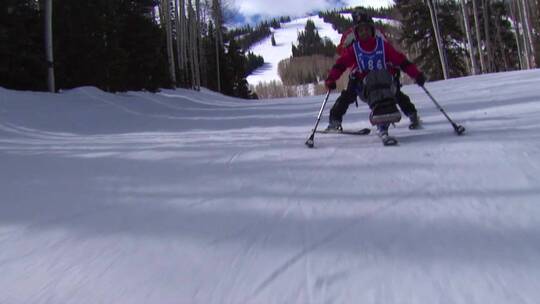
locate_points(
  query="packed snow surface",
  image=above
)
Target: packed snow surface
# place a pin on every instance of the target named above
(193, 197)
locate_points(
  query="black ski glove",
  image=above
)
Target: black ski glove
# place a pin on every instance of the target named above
(330, 84)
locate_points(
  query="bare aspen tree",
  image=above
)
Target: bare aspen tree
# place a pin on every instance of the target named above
(192, 52)
(185, 40)
(466, 55)
(205, 17)
(502, 45)
(528, 30)
(526, 45)
(181, 38)
(515, 22)
(216, 10)
(478, 37)
(537, 5)
(165, 14)
(487, 36)
(535, 17)
(536, 14)
(49, 46)
(438, 38)
(467, 24)
(197, 46)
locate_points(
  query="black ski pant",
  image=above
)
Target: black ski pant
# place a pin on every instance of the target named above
(349, 95)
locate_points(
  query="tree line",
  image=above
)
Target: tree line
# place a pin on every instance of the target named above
(248, 35)
(340, 23)
(457, 38)
(449, 38)
(120, 45)
(445, 38)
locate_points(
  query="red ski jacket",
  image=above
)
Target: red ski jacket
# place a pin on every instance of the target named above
(343, 43)
(393, 58)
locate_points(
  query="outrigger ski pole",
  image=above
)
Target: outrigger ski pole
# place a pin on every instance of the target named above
(458, 128)
(310, 141)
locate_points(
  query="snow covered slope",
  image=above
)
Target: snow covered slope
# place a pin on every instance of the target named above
(185, 197)
(285, 37)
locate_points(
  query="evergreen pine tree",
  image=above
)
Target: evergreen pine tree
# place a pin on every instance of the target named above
(236, 63)
(418, 38)
(22, 54)
(505, 51)
(253, 62)
(112, 44)
(209, 52)
(311, 43)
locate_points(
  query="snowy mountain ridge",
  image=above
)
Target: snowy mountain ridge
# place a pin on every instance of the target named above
(285, 37)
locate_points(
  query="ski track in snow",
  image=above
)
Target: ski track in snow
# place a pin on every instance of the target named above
(193, 197)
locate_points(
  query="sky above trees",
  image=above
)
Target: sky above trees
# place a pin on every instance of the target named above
(248, 11)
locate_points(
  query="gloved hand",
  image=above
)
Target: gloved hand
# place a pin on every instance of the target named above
(420, 79)
(330, 84)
